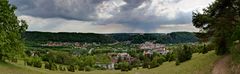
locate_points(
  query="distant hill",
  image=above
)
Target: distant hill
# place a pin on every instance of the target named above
(135, 38)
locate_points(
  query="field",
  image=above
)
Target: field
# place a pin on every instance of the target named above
(199, 64)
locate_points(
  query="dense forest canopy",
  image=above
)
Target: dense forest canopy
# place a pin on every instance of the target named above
(136, 38)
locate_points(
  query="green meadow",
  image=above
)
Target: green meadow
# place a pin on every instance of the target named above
(199, 64)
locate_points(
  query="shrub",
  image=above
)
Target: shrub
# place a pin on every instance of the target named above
(62, 68)
(170, 57)
(80, 68)
(236, 53)
(124, 66)
(51, 66)
(37, 64)
(154, 63)
(14, 60)
(28, 62)
(183, 54)
(146, 63)
(204, 49)
(71, 68)
(88, 68)
(161, 59)
(116, 66)
(136, 63)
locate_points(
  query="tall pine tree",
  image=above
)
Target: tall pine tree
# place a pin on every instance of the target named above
(219, 20)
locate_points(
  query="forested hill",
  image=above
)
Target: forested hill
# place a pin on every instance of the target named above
(136, 38)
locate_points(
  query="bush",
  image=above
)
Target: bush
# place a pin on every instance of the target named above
(170, 57)
(136, 63)
(71, 68)
(124, 66)
(62, 68)
(236, 53)
(154, 64)
(80, 65)
(28, 62)
(51, 66)
(183, 54)
(117, 66)
(204, 49)
(14, 60)
(146, 62)
(88, 68)
(80, 68)
(35, 62)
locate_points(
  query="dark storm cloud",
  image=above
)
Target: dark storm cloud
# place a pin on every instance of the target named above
(149, 22)
(136, 18)
(131, 4)
(85, 10)
(67, 9)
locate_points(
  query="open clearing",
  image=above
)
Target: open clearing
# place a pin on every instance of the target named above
(199, 64)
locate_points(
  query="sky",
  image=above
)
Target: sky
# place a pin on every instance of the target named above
(109, 16)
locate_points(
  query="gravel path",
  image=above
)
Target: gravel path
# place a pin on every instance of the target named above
(222, 66)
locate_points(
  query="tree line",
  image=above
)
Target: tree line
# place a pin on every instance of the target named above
(135, 38)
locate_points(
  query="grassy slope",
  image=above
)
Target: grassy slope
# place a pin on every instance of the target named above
(199, 64)
(6, 68)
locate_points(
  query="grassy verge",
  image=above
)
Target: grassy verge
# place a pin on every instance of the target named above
(199, 64)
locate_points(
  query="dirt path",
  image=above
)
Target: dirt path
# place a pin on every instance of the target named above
(222, 66)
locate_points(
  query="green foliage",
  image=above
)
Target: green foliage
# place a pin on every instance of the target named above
(200, 63)
(236, 35)
(220, 20)
(89, 60)
(88, 68)
(60, 58)
(175, 37)
(155, 62)
(235, 49)
(124, 66)
(11, 45)
(183, 54)
(51, 66)
(136, 63)
(204, 50)
(146, 62)
(236, 53)
(34, 61)
(62, 68)
(67, 37)
(170, 57)
(138, 39)
(71, 68)
(104, 59)
(80, 64)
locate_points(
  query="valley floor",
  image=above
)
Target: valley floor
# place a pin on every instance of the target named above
(199, 64)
